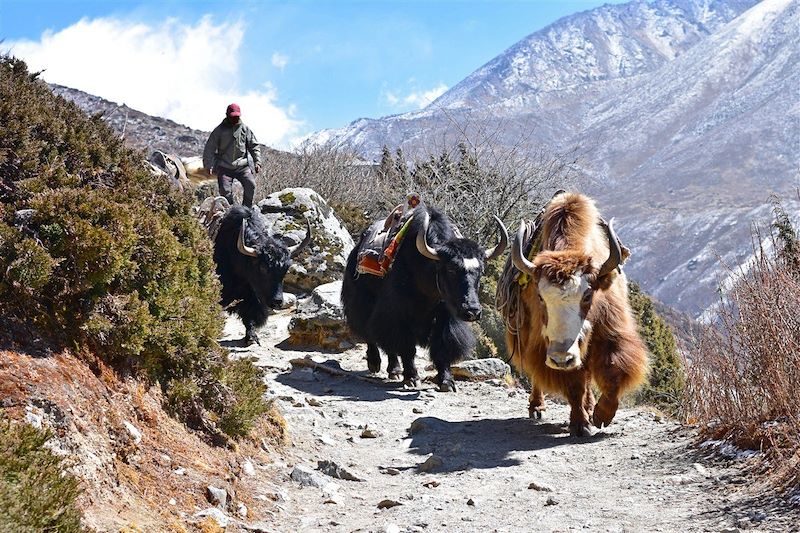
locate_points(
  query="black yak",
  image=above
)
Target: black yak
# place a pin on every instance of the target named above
(251, 265)
(425, 299)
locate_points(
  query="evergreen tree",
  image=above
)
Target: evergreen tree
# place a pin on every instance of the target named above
(400, 164)
(665, 384)
(387, 168)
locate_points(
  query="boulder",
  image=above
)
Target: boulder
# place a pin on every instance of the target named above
(324, 260)
(481, 369)
(170, 167)
(318, 321)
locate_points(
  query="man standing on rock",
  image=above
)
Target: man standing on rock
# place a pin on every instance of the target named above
(226, 152)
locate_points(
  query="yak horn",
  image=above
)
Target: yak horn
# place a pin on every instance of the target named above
(518, 259)
(243, 248)
(295, 250)
(422, 241)
(501, 246)
(614, 251)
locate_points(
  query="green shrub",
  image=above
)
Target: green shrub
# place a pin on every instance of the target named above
(665, 384)
(245, 382)
(35, 494)
(112, 258)
(490, 329)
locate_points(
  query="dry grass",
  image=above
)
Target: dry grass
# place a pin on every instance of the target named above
(744, 381)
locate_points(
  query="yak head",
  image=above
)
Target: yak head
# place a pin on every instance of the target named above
(459, 265)
(566, 283)
(268, 261)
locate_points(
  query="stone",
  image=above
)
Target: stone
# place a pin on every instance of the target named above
(248, 469)
(392, 471)
(314, 402)
(432, 484)
(169, 167)
(369, 433)
(289, 300)
(471, 502)
(135, 434)
(217, 496)
(416, 410)
(334, 470)
(241, 510)
(540, 487)
(324, 260)
(481, 369)
(34, 419)
(318, 321)
(551, 501)
(432, 463)
(218, 516)
(703, 471)
(388, 504)
(307, 477)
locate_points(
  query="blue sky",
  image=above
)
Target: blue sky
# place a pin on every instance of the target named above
(295, 67)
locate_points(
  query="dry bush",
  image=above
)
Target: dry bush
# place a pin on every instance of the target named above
(347, 182)
(744, 381)
(475, 172)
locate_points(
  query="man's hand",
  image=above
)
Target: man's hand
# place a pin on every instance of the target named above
(258, 169)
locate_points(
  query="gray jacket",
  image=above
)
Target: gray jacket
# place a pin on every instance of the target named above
(228, 145)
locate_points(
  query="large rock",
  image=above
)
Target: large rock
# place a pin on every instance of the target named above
(481, 369)
(319, 322)
(324, 260)
(171, 168)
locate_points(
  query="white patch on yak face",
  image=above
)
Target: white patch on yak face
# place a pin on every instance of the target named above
(472, 264)
(565, 328)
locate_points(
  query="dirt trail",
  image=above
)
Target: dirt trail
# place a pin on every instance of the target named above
(637, 475)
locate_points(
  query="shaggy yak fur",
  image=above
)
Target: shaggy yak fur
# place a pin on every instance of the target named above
(252, 269)
(424, 300)
(574, 279)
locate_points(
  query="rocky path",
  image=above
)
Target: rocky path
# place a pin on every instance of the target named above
(472, 461)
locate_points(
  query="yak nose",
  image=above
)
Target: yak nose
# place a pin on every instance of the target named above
(561, 361)
(470, 313)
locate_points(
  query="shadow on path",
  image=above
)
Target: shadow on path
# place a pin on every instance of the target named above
(489, 442)
(350, 386)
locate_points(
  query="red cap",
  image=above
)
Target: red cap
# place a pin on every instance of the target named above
(233, 110)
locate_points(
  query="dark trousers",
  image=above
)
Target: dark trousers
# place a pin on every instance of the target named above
(244, 176)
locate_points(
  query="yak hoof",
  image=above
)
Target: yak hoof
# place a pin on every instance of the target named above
(396, 376)
(580, 430)
(447, 385)
(603, 413)
(536, 411)
(251, 338)
(411, 383)
(374, 366)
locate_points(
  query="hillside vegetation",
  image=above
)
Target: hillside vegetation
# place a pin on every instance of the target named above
(105, 257)
(744, 382)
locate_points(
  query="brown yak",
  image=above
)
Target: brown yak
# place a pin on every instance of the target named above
(568, 320)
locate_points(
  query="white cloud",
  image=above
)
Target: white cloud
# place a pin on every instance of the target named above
(182, 71)
(416, 98)
(279, 60)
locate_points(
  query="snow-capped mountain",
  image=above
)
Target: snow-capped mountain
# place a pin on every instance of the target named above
(686, 114)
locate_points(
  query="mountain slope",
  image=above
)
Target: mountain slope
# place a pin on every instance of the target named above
(685, 113)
